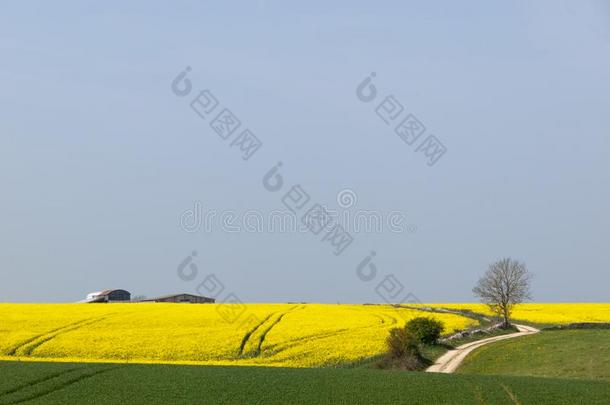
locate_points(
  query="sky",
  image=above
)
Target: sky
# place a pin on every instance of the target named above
(106, 169)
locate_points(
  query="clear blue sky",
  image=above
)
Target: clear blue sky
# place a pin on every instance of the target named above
(98, 158)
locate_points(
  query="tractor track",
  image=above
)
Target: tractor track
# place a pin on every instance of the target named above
(264, 334)
(26, 347)
(36, 381)
(246, 337)
(15, 391)
(12, 351)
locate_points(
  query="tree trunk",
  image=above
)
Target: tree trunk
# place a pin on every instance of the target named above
(505, 324)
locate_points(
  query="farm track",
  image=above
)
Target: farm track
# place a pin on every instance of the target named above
(53, 388)
(29, 345)
(450, 361)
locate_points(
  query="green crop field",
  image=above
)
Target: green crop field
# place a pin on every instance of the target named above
(581, 354)
(44, 383)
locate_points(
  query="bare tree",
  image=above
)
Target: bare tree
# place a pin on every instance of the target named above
(504, 284)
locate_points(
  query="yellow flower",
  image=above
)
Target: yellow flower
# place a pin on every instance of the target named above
(305, 335)
(547, 313)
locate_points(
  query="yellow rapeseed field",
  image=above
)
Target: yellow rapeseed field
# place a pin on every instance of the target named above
(547, 313)
(295, 335)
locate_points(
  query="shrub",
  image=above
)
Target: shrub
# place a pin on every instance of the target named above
(408, 363)
(403, 351)
(425, 330)
(402, 343)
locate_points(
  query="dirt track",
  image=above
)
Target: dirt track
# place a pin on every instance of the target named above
(450, 361)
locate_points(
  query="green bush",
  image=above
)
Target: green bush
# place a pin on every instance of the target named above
(407, 363)
(425, 330)
(403, 351)
(402, 343)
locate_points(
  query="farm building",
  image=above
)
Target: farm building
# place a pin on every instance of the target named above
(184, 298)
(109, 296)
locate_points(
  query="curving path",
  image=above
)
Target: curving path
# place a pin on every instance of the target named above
(451, 360)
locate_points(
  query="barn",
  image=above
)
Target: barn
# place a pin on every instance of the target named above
(182, 298)
(109, 296)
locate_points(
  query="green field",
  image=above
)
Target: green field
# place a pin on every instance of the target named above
(64, 383)
(551, 367)
(583, 354)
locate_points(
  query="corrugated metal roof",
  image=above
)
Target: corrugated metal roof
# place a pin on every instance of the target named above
(106, 292)
(176, 295)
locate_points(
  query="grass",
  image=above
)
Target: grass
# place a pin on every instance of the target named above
(433, 352)
(581, 354)
(83, 383)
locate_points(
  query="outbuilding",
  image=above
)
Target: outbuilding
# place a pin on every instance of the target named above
(109, 296)
(181, 298)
